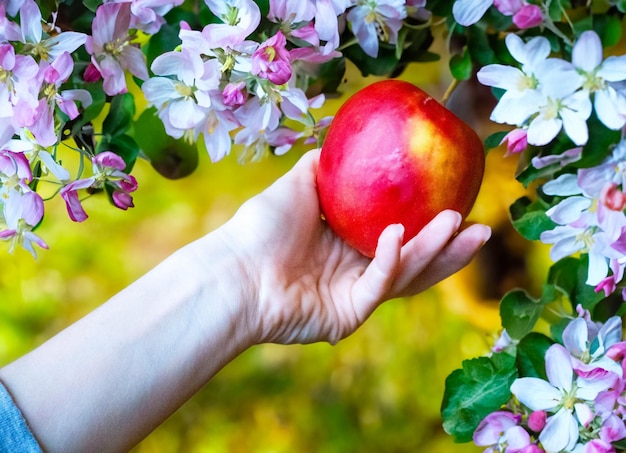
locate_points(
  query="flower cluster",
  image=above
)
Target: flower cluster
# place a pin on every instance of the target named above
(562, 95)
(241, 76)
(577, 405)
(546, 95)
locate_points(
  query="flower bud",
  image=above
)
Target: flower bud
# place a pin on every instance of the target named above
(537, 420)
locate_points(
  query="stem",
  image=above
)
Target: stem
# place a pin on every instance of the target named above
(348, 43)
(449, 91)
(553, 28)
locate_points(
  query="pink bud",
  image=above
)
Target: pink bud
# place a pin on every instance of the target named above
(516, 141)
(537, 420)
(613, 198)
(91, 74)
(528, 16)
(234, 94)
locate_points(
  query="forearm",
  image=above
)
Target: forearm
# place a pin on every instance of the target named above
(108, 380)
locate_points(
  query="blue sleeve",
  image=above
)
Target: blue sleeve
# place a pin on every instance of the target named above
(15, 435)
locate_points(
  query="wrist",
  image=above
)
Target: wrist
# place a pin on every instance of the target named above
(225, 287)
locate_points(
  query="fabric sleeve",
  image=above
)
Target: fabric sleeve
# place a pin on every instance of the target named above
(15, 435)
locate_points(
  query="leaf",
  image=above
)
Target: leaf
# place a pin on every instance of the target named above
(599, 145)
(120, 116)
(461, 65)
(609, 28)
(519, 313)
(383, 65)
(173, 159)
(479, 47)
(494, 140)
(531, 352)
(529, 218)
(570, 275)
(98, 101)
(480, 387)
(329, 77)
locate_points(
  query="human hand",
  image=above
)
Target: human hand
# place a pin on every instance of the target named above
(310, 285)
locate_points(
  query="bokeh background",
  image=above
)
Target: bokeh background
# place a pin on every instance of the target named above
(379, 390)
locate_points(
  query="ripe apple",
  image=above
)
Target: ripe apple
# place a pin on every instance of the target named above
(393, 154)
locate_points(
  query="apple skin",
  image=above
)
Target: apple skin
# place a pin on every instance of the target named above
(393, 154)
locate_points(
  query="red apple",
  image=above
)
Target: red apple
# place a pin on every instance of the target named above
(393, 154)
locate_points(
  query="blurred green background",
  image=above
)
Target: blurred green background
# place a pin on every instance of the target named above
(377, 391)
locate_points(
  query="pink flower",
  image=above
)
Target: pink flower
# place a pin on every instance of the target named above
(234, 94)
(22, 212)
(271, 60)
(528, 16)
(501, 428)
(14, 166)
(108, 170)
(111, 50)
(516, 141)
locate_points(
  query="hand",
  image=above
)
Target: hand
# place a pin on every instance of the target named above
(309, 284)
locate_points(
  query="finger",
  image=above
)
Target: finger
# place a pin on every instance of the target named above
(307, 163)
(422, 249)
(452, 258)
(375, 282)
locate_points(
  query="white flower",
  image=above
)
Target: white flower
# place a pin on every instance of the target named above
(468, 12)
(609, 104)
(565, 395)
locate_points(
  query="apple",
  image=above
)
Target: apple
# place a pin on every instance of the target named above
(393, 154)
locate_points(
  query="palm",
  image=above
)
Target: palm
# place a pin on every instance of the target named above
(313, 285)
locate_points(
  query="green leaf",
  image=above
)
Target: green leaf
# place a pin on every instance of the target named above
(531, 352)
(92, 5)
(383, 65)
(519, 313)
(479, 47)
(494, 140)
(599, 145)
(173, 159)
(609, 28)
(120, 116)
(570, 275)
(529, 218)
(329, 77)
(480, 387)
(98, 101)
(461, 65)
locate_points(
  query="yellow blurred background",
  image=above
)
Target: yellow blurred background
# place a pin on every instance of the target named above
(377, 391)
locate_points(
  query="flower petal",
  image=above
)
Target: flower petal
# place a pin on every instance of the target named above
(560, 432)
(536, 394)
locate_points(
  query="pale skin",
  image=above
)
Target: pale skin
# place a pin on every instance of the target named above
(273, 273)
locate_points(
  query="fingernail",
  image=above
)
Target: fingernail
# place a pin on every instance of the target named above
(398, 230)
(486, 233)
(458, 218)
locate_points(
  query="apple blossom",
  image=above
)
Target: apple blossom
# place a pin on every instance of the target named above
(41, 47)
(240, 18)
(609, 103)
(501, 431)
(111, 48)
(376, 20)
(22, 211)
(271, 60)
(564, 395)
(107, 171)
(147, 15)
